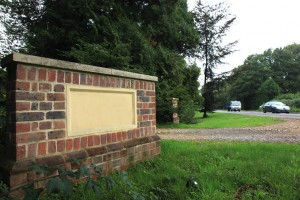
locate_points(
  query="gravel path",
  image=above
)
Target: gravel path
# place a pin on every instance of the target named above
(285, 132)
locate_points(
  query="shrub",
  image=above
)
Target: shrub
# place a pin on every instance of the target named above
(290, 99)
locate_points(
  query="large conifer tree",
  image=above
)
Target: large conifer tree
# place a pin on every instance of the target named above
(151, 37)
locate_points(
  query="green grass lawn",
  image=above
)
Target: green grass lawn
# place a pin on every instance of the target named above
(224, 120)
(223, 170)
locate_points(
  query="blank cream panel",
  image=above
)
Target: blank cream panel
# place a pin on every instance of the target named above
(95, 110)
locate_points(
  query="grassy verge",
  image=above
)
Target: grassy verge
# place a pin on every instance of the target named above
(224, 120)
(223, 170)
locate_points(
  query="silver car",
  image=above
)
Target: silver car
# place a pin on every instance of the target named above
(275, 107)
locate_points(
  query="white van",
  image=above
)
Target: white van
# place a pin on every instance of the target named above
(234, 106)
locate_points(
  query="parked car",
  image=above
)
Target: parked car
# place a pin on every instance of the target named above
(275, 107)
(234, 106)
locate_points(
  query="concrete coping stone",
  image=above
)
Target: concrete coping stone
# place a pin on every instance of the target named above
(60, 64)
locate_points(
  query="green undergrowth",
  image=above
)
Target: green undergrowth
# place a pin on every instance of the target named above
(224, 120)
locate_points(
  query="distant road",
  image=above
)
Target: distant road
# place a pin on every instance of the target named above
(268, 114)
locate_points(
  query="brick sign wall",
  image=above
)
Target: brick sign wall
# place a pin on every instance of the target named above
(37, 117)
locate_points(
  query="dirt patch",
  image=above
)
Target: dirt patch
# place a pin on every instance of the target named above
(285, 132)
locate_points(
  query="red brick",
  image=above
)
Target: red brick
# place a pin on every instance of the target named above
(42, 148)
(56, 115)
(18, 179)
(21, 106)
(96, 80)
(107, 81)
(145, 117)
(113, 82)
(52, 147)
(20, 95)
(75, 78)
(107, 157)
(133, 134)
(45, 125)
(90, 140)
(51, 75)
(59, 105)
(152, 105)
(22, 127)
(150, 93)
(97, 140)
(34, 126)
(34, 87)
(119, 136)
(137, 133)
(55, 96)
(60, 77)
(32, 150)
(45, 87)
(129, 134)
(102, 81)
(137, 84)
(141, 85)
(118, 82)
(29, 116)
(68, 77)
(124, 153)
(56, 134)
(114, 137)
(21, 72)
(23, 86)
(20, 152)
(84, 141)
(31, 74)
(124, 135)
(59, 124)
(42, 75)
(46, 106)
(109, 138)
(89, 79)
(69, 144)
(38, 136)
(103, 139)
(116, 155)
(152, 99)
(59, 88)
(61, 145)
(76, 143)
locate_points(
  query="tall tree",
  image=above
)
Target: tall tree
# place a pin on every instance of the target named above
(268, 90)
(212, 24)
(262, 76)
(286, 68)
(145, 36)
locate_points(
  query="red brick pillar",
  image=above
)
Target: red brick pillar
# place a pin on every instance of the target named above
(175, 110)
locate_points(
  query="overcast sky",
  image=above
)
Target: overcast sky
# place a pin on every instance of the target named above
(259, 25)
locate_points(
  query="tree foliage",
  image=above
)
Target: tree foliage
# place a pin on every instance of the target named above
(212, 24)
(264, 76)
(144, 36)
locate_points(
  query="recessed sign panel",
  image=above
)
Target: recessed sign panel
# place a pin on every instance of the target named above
(96, 110)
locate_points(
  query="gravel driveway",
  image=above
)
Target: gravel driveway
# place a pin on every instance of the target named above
(285, 132)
